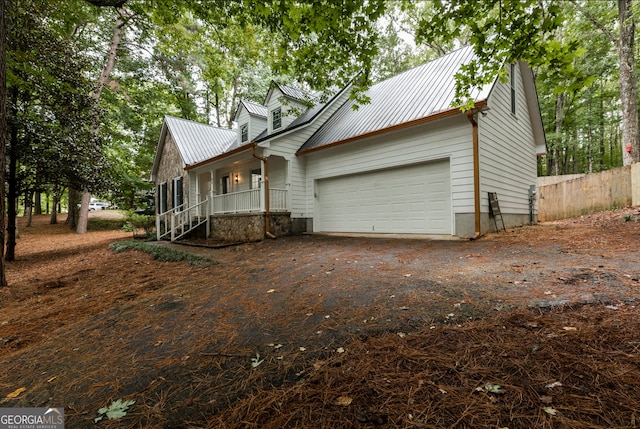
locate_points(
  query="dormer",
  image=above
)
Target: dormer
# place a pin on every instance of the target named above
(284, 105)
(251, 119)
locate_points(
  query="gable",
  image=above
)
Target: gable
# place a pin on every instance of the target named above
(194, 141)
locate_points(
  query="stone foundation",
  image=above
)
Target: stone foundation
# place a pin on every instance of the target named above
(248, 227)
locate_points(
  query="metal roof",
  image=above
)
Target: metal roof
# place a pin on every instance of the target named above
(198, 142)
(293, 92)
(417, 93)
(255, 109)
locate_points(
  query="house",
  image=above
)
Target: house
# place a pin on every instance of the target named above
(407, 162)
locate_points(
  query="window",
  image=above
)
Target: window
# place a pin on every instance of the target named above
(256, 176)
(244, 133)
(178, 191)
(162, 198)
(513, 88)
(276, 118)
(225, 184)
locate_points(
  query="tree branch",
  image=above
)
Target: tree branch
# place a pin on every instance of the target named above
(595, 22)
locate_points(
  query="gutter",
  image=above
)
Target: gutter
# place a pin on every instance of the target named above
(476, 171)
(267, 217)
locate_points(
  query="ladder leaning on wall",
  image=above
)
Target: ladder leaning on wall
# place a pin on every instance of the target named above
(494, 208)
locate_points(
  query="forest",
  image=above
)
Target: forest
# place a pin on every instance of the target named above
(88, 82)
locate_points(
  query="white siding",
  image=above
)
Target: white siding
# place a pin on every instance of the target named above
(448, 138)
(256, 125)
(507, 150)
(287, 145)
(275, 101)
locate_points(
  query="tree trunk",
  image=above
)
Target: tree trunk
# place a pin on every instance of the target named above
(74, 200)
(83, 218)
(56, 192)
(3, 138)
(28, 207)
(12, 196)
(37, 202)
(553, 160)
(628, 84)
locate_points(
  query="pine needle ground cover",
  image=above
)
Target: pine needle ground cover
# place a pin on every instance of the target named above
(535, 327)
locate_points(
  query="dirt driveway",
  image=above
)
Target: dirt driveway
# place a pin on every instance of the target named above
(82, 326)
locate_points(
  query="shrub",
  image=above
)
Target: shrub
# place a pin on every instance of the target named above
(160, 253)
(134, 222)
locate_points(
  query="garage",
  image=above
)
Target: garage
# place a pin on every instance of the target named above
(412, 199)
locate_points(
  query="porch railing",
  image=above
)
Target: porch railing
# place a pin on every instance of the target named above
(179, 221)
(249, 201)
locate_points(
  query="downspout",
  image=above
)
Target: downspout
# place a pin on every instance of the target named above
(267, 225)
(476, 172)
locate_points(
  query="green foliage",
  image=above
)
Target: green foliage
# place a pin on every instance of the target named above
(500, 33)
(105, 224)
(134, 222)
(160, 253)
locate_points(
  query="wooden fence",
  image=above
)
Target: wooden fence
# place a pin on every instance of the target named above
(589, 193)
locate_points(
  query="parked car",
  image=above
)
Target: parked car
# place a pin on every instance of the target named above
(96, 205)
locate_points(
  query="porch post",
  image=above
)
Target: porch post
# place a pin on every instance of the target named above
(208, 213)
(262, 188)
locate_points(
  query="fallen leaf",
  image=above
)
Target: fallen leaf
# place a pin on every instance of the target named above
(115, 410)
(493, 388)
(255, 362)
(16, 393)
(344, 401)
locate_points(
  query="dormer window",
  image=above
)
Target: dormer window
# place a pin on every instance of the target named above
(244, 132)
(276, 118)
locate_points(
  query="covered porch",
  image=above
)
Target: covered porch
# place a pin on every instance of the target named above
(229, 196)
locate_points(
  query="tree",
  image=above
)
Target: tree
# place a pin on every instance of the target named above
(500, 33)
(624, 43)
(51, 110)
(3, 136)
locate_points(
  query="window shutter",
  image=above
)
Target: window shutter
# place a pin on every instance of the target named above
(162, 196)
(179, 191)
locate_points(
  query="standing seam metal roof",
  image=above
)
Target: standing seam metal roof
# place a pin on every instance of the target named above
(417, 93)
(255, 108)
(198, 142)
(294, 92)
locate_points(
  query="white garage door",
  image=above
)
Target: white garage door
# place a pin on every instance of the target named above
(408, 200)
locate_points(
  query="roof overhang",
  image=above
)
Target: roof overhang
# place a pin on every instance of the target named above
(221, 156)
(533, 105)
(479, 105)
